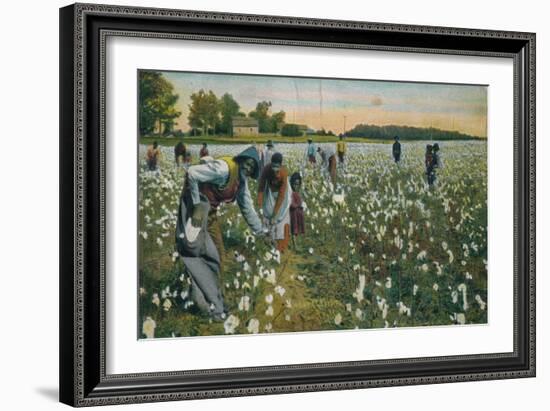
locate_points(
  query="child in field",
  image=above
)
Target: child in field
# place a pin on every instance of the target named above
(297, 225)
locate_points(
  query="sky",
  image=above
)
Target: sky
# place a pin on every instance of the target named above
(337, 103)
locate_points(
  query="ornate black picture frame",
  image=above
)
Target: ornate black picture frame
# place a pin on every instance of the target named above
(83, 32)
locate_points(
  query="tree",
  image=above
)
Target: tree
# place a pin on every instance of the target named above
(291, 130)
(157, 103)
(262, 115)
(277, 121)
(204, 111)
(267, 123)
(229, 108)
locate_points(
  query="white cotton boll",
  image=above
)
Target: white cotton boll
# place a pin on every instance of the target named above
(156, 299)
(468, 276)
(482, 304)
(255, 281)
(271, 276)
(310, 250)
(461, 318)
(435, 287)
(451, 256)
(359, 313)
(230, 324)
(338, 319)
(269, 298)
(253, 326)
(348, 307)
(359, 292)
(148, 327)
(422, 255)
(454, 297)
(167, 305)
(444, 245)
(463, 289)
(269, 311)
(280, 290)
(424, 267)
(388, 282)
(236, 283)
(415, 289)
(244, 303)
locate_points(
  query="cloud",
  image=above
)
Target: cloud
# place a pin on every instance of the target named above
(376, 101)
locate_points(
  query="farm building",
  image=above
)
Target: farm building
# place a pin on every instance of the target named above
(245, 126)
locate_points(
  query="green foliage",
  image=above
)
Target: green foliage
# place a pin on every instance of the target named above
(229, 108)
(204, 110)
(323, 132)
(291, 130)
(157, 103)
(405, 133)
(267, 123)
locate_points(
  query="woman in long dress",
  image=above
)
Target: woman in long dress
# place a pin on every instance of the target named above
(274, 198)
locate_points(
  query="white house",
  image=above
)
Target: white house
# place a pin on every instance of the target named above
(245, 126)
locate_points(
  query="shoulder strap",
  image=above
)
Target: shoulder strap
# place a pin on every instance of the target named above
(233, 169)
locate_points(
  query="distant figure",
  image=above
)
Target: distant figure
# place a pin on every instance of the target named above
(152, 156)
(341, 150)
(268, 153)
(310, 152)
(429, 163)
(396, 149)
(179, 152)
(297, 224)
(328, 166)
(204, 150)
(274, 200)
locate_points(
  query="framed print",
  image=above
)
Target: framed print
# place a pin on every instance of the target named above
(261, 204)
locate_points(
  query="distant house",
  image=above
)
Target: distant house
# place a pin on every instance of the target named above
(245, 126)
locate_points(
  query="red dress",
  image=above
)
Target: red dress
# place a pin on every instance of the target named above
(297, 225)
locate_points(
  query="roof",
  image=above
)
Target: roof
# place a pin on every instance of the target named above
(244, 122)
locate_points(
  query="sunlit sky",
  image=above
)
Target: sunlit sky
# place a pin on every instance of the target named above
(328, 103)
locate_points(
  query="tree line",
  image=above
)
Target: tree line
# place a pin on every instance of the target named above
(406, 133)
(208, 113)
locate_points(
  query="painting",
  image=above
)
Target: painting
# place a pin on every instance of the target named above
(278, 204)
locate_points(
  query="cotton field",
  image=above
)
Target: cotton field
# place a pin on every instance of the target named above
(382, 249)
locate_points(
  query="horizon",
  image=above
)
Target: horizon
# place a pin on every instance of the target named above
(333, 104)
